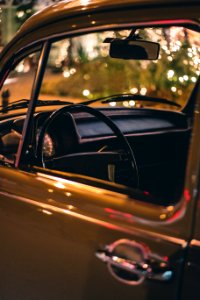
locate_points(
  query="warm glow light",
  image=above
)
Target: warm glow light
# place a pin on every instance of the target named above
(180, 92)
(163, 216)
(84, 2)
(170, 208)
(193, 79)
(59, 185)
(132, 103)
(173, 89)
(145, 266)
(164, 48)
(170, 73)
(125, 103)
(143, 91)
(20, 67)
(47, 212)
(86, 93)
(70, 207)
(68, 194)
(66, 74)
(175, 48)
(20, 14)
(115, 258)
(134, 90)
(72, 71)
(196, 61)
(112, 103)
(10, 80)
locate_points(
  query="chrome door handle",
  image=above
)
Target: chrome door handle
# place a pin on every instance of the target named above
(122, 266)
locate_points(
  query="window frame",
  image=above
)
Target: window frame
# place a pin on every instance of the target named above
(45, 44)
(24, 145)
(22, 154)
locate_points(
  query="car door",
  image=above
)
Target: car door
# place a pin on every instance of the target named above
(65, 239)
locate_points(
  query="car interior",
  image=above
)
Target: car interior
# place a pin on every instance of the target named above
(80, 143)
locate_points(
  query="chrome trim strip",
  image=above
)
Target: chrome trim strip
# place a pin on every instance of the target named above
(135, 231)
(195, 243)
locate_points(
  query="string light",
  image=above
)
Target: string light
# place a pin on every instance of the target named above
(86, 93)
(143, 91)
(112, 103)
(125, 103)
(20, 14)
(173, 89)
(66, 74)
(134, 90)
(185, 77)
(132, 103)
(170, 74)
(193, 79)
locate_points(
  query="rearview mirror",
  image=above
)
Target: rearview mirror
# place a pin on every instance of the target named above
(134, 49)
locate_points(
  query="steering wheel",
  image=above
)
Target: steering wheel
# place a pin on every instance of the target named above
(99, 115)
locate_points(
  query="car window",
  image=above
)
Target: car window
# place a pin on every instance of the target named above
(80, 68)
(90, 69)
(18, 84)
(16, 92)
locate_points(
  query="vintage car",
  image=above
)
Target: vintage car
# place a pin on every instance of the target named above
(100, 153)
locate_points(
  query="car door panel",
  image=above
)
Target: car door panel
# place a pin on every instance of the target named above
(48, 247)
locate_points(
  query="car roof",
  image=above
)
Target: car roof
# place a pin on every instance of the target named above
(68, 8)
(56, 18)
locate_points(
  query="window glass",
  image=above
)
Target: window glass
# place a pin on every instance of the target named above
(18, 84)
(80, 68)
(16, 88)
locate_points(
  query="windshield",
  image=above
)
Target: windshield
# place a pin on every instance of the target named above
(80, 68)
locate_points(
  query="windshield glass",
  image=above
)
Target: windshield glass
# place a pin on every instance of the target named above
(80, 68)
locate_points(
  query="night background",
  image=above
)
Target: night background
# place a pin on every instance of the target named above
(13, 13)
